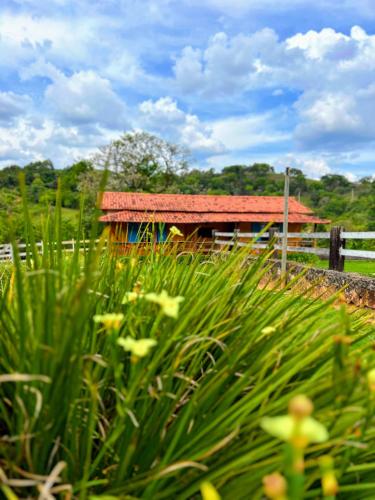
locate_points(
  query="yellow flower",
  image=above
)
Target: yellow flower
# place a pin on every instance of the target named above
(169, 305)
(109, 320)
(275, 486)
(209, 492)
(298, 427)
(138, 348)
(131, 297)
(119, 266)
(371, 380)
(284, 428)
(133, 262)
(134, 295)
(268, 330)
(175, 231)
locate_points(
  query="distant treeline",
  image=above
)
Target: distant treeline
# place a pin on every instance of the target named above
(351, 204)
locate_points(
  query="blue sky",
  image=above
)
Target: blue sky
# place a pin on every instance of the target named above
(288, 82)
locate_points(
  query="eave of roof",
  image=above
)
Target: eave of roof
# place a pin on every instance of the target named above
(175, 217)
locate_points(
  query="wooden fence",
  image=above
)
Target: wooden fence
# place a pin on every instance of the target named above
(303, 243)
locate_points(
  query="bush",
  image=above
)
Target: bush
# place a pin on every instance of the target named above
(304, 258)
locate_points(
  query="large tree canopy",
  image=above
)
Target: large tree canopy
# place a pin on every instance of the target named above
(141, 160)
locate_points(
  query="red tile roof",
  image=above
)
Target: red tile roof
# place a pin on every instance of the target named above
(182, 208)
(174, 217)
(199, 203)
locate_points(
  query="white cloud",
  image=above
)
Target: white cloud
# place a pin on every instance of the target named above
(13, 105)
(82, 98)
(351, 177)
(164, 116)
(164, 110)
(77, 60)
(319, 45)
(86, 98)
(340, 120)
(314, 60)
(313, 168)
(66, 41)
(238, 8)
(229, 65)
(332, 72)
(242, 132)
(27, 141)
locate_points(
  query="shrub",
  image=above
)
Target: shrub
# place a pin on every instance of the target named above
(304, 258)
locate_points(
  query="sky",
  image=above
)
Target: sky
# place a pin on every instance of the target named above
(287, 82)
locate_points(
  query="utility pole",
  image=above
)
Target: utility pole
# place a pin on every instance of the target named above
(285, 226)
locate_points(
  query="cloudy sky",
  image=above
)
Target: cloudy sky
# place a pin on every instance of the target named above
(289, 82)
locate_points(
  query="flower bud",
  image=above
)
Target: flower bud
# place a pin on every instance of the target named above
(330, 485)
(209, 492)
(371, 380)
(268, 330)
(342, 339)
(275, 486)
(300, 407)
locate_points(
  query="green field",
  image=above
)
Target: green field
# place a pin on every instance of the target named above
(366, 267)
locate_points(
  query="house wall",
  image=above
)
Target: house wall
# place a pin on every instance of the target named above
(191, 240)
(119, 231)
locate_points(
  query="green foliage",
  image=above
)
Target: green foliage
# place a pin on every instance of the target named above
(304, 258)
(156, 423)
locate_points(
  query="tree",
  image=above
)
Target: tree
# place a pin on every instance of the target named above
(297, 181)
(70, 181)
(9, 176)
(142, 161)
(42, 169)
(335, 182)
(36, 189)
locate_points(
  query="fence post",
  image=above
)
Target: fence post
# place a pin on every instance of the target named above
(272, 241)
(336, 261)
(235, 237)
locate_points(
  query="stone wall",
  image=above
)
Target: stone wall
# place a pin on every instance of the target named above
(356, 289)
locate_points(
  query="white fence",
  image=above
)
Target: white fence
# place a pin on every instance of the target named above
(302, 243)
(7, 254)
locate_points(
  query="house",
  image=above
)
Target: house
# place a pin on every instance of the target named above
(132, 216)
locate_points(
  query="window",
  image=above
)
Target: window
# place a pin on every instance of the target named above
(258, 227)
(139, 232)
(145, 232)
(161, 234)
(205, 232)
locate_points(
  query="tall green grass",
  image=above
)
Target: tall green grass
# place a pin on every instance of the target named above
(80, 416)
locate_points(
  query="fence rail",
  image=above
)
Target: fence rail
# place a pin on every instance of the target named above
(7, 254)
(336, 252)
